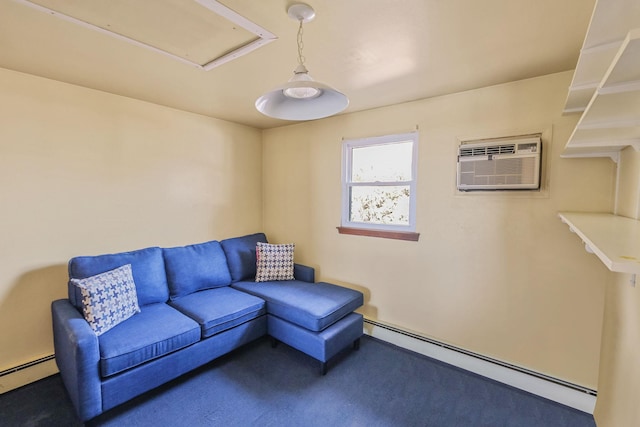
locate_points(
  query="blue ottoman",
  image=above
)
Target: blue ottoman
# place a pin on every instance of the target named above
(322, 345)
(315, 318)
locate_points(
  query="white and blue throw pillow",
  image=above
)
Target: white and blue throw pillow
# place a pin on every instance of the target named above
(274, 262)
(108, 298)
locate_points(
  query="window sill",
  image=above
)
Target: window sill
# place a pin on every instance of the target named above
(397, 235)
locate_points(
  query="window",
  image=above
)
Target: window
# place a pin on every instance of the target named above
(378, 186)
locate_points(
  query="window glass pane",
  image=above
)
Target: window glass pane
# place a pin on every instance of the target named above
(382, 163)
(380, 204)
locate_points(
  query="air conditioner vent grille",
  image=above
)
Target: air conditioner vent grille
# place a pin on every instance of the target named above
(512, 163)
(487, 150)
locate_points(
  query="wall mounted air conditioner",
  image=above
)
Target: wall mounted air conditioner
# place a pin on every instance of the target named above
(500, 164)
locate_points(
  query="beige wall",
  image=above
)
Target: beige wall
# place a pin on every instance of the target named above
(497, 274)
(619, 385)
(84, 172)
(628, 191)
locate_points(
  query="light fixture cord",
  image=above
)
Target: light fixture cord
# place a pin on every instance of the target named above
(301, 57)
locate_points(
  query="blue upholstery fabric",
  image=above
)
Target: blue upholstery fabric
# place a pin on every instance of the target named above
(321, 345)
(217, 310)
(313, 306)
(195, 267)
(304, 273)
(241, 255)
(164, 340)
(157, 330)
(147, 266)
(122, 387)
(77, 356)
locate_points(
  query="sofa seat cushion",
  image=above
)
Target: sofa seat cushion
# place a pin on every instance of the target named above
(157, 330)
(219, 309)
(313, 306)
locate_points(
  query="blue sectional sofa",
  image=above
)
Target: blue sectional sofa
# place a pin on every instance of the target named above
(194, 304)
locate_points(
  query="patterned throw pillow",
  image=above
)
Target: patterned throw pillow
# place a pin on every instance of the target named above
(108, 298)
(274, 262)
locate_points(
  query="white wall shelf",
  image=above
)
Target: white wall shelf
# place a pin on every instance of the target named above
(606, 83)
(614, 239)
(610, 23)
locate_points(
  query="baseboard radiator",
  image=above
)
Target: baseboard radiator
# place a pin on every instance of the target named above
(30, 364)
(556, 389)
(28, 372)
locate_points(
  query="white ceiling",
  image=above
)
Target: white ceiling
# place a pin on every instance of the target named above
(378, 52)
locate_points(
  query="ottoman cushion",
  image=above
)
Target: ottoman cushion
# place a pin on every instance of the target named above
(313, 306)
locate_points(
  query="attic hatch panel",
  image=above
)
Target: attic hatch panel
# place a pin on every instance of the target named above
(183, 28)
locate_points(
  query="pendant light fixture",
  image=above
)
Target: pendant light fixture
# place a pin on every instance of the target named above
(302, 97)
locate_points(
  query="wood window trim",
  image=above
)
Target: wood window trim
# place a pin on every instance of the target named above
(397, 235)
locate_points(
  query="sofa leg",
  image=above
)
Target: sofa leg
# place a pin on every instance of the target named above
(323, 368)
(356, 344)
(274, 342)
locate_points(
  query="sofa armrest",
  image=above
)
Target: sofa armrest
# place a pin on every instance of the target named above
(304, 273)
(78, 357)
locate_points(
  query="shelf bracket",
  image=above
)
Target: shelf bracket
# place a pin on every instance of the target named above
(587, 247)
(615, 157)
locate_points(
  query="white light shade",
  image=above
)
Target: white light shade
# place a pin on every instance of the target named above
(301, 75)
(278, 105)
(301, 98)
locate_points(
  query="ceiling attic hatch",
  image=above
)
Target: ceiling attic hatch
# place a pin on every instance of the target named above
(201, 33)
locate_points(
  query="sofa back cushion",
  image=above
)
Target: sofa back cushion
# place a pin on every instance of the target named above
(147, 267)
(241, 255)
(195, 267)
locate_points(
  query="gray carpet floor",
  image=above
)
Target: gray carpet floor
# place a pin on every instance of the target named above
(379, 385)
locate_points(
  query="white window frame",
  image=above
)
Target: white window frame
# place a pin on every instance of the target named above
(347, 152)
